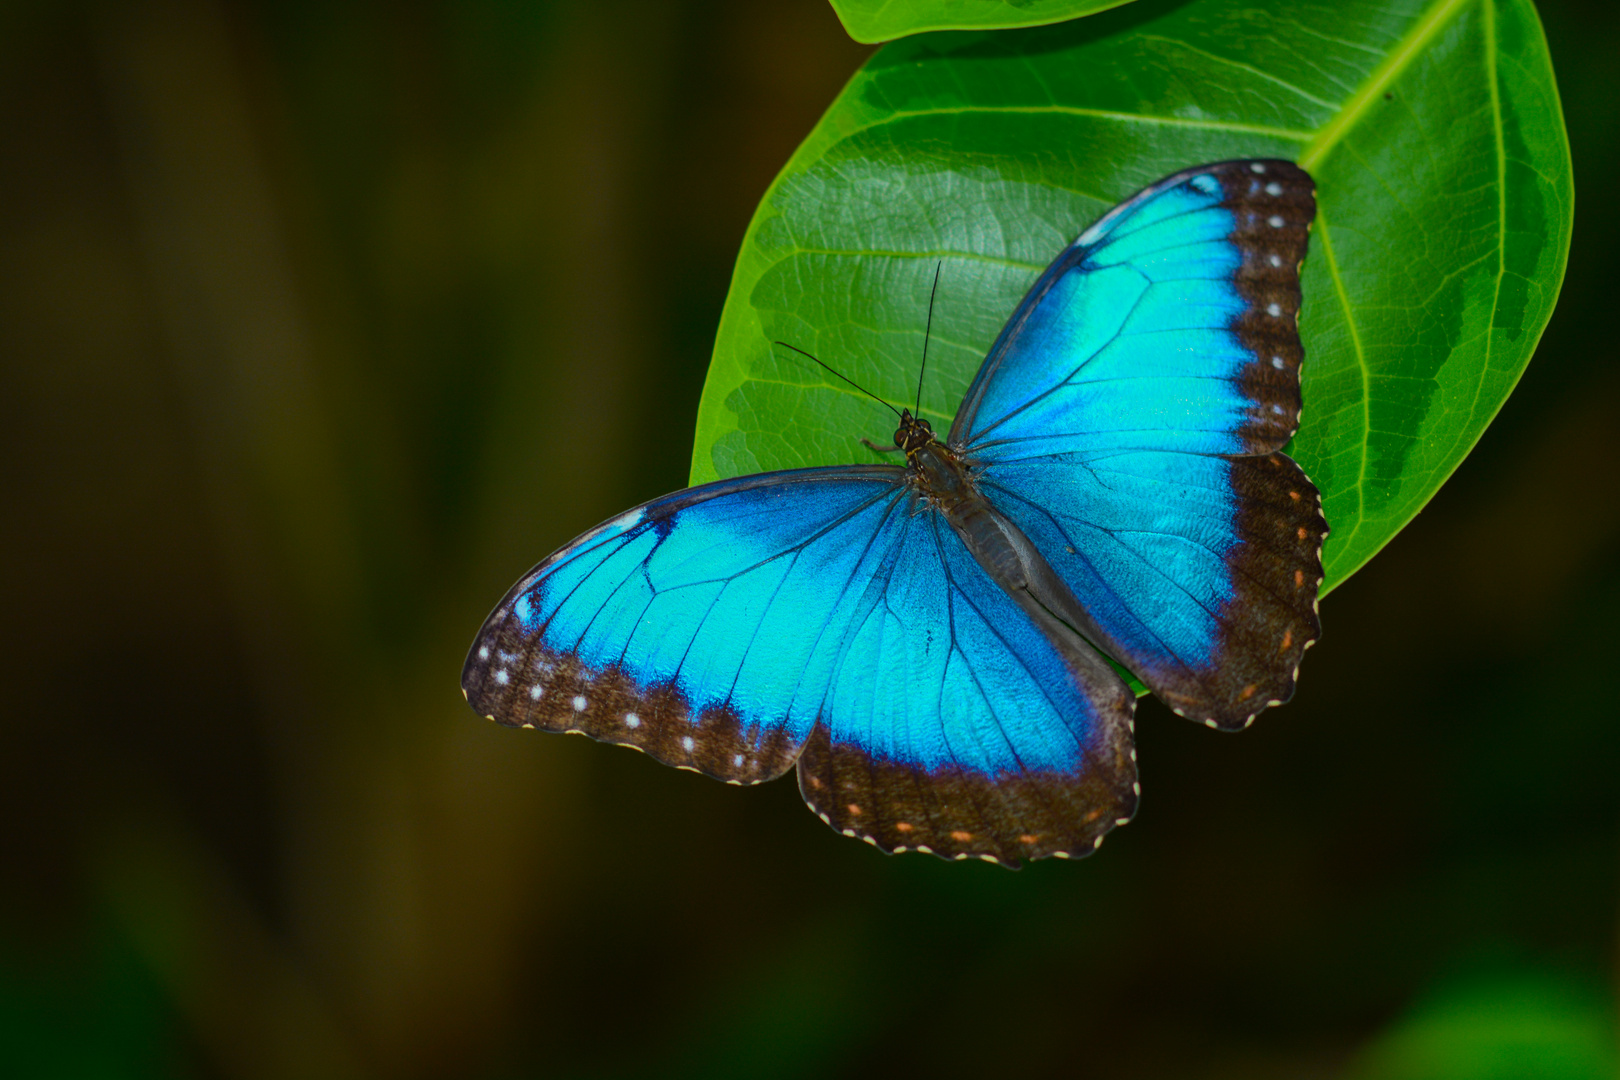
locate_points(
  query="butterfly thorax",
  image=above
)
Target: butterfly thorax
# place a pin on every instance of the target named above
(943, 480)
(935, 471)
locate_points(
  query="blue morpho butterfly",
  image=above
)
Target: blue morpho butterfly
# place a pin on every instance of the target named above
(929, 643)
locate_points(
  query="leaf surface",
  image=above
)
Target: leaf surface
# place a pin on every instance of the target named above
(1433, 130)
(874, 21)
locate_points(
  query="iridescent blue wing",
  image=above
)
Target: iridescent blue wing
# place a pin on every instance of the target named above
(820, 617)
(1130, 420)
(962, 718)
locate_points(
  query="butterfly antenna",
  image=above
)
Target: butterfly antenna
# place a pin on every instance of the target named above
(928, 330)
(846, 378)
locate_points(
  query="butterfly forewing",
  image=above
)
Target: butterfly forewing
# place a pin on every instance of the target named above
(688, 627)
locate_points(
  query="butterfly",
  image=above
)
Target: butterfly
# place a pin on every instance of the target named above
(937, 646)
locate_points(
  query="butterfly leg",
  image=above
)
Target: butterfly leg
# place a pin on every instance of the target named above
(870, 445)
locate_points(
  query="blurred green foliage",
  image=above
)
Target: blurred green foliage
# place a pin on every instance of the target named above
(1499, 1026)
(320, 323)
(85, 1008)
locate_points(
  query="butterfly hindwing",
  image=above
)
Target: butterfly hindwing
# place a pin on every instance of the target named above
(1129, 419)
(1199, 573)
(734, 627)
(961, 725)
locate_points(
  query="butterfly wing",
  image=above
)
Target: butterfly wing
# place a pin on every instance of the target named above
(1130, 420)
(822, 617)
(963, 719)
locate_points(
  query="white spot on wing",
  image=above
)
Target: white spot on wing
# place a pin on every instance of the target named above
(687, 744)
(483, 652)
(1275, 221)
(536, 690)
(1257, 167)
(1274, 188)
(1273, 309)
(580, 703)
(502, 677)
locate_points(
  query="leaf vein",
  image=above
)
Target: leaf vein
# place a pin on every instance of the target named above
(1366, 375)
(1398, 60)
(1099, 114)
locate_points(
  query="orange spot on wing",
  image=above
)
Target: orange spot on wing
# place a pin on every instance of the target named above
(904, 826)
(854, 809)
(815, 783)
(1093, 816)
(1299, 578)
(1288, 639)
(960, 836)
(1303, 532)
(1294, 495)
(1028, 838)
(1248, 692)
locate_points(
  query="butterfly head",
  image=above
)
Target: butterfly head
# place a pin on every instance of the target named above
(914, 432)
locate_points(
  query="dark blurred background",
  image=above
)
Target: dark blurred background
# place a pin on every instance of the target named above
(321, 322)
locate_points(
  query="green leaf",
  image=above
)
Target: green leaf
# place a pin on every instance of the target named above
(873, 21)
(1433, 130)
